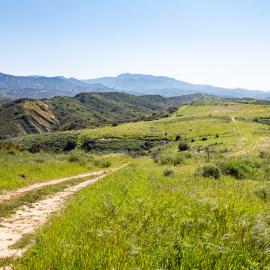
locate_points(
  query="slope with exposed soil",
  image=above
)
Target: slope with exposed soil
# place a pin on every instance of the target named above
(30, 116)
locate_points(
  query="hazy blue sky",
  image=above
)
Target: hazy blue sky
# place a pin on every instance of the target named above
(222, 42)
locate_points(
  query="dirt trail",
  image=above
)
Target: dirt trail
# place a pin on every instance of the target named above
(242, 152)
(14, 193)
(29, 217)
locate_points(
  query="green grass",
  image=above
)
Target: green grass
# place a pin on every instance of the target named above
(19, 169)
(140, 219)
(212, 121)
(8, 207)
(170, 210)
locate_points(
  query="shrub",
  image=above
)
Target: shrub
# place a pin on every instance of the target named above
(177, 138)
(239, 169)
(211, 170)
(147, 145)
(263, 193)
(9, 146)
(34, 148)
(187, 155)
(102, 163)
(169, 159)
(76, 156)
(204, 138)
(88, 145)
(168, 173)
(155, 153)
(183, 146)
(70, 145)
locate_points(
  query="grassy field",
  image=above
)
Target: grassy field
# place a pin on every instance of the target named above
(19, 169)
(230, 125)
(198, 198)
(141, 219)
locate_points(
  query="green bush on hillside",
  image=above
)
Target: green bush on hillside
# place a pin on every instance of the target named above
(239, 169)
(70, 145)
(88, 144)
(183, 146)
(263, 193)
(168, 173)
(169, 159)
(34, 148)
(211, 170)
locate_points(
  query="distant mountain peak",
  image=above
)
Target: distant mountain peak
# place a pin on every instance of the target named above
(138, 84)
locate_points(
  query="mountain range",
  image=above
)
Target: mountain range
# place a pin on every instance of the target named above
(138, 84)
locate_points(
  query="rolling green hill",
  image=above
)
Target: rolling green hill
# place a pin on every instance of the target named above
(31, 116)
(201, 187)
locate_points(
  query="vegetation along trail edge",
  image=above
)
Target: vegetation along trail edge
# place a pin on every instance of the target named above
(28, 218)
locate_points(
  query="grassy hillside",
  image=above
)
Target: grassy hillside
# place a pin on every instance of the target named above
(205, 191)
(202, 187)
(27, 116)
(142, 219)
(230, 125)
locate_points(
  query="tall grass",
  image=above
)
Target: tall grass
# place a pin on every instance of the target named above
(141, 219)
(22, 168)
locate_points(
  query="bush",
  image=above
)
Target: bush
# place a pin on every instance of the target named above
(168, 173)
(102, 163)
(263, 193)
(239, 169)
(34, 148)
(187, 155)
(211, 170)
(169, 159)
(183, 146)
(88, 145)
(70, 145)
(76, 156)
(177, 138)
(10, 146)
(154, 153)
(203, 138)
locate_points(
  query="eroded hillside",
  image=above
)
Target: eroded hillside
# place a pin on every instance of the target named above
(32, 116)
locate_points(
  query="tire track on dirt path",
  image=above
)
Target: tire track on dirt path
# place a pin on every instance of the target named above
(30, 217)
(18, 192)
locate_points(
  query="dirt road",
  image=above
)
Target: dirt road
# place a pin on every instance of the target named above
(29, 217)
(13, 193)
